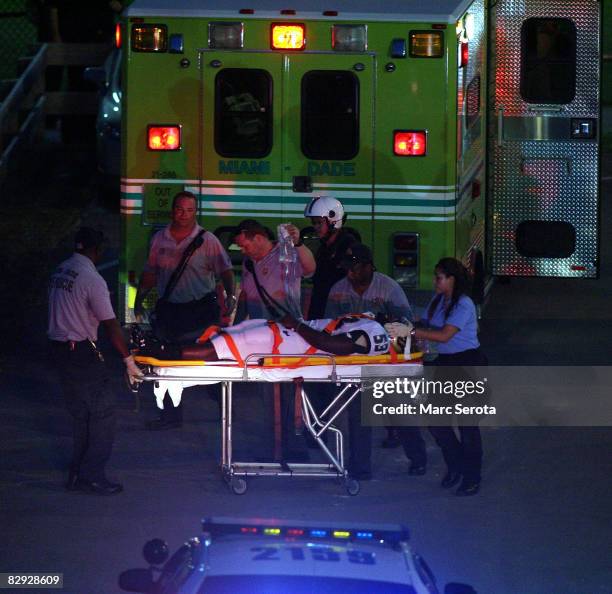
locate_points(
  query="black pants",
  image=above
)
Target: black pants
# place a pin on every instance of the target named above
(90, 401)
(414, 445)
(462, 452)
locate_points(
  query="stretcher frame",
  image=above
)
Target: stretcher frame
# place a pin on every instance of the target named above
(235, 473)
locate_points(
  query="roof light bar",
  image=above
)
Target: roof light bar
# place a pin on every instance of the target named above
(390, 534)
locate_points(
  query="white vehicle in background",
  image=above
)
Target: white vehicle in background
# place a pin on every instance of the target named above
(235, 556)
(108, 120)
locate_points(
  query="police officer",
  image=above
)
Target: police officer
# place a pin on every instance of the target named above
(327, 217)
(79, 302)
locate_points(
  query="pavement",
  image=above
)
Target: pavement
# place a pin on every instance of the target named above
(539, 526)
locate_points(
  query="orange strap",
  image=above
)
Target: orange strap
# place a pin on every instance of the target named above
(278, 340)
(208, 333)
(231, 345)
(331, 326)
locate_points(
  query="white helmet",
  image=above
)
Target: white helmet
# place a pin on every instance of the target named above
(328, 207)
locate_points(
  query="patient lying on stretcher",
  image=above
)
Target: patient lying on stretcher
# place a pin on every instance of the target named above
(347, 335)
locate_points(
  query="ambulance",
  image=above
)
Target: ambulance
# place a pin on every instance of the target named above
(466, 128)
(264, 556)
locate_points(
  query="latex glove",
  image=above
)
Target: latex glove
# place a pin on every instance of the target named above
(398, 329)
(133, 372)
(230, 304)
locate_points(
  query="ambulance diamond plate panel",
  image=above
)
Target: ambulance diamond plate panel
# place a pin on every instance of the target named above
(508, 17)
(550, 181)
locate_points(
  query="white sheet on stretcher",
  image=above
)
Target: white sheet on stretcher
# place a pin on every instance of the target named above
(212, 374)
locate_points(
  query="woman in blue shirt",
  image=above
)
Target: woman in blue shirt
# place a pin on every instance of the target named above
(450, 321)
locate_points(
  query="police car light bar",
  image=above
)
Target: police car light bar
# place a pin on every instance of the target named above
(383, 534)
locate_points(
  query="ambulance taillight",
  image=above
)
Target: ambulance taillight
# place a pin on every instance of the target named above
(118, 35)
(164, 138)
(288, 36)
(149, 38)
(410, 143)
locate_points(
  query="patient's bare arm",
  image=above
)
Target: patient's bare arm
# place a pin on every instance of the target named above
(199, 352)
(336, 345)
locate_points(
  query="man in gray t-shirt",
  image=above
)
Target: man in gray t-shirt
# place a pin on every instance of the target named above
(363, 289)
(262, 257)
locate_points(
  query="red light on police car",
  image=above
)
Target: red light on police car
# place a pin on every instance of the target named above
(118, 35)
(409, 143)
(288, 36)
(164, 138)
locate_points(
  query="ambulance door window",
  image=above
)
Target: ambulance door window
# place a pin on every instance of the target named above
(330, 115)
(243, 113)
(548, 60)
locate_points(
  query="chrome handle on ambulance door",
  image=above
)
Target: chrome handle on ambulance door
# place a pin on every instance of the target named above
(545, 108)
(500, 125)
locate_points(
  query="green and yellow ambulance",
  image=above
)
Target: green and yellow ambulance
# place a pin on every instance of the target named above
(445, 128)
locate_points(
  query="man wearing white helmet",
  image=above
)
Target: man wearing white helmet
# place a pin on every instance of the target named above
(327, 216)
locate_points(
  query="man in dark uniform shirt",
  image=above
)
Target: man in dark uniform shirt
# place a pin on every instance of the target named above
(79, 302)
(327, 216)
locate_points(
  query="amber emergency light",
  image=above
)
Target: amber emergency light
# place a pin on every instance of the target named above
(149, 38)
(288, 36)
(164, 138)
(409, 143)
(426, 44)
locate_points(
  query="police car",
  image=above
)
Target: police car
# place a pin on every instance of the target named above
(235, 556)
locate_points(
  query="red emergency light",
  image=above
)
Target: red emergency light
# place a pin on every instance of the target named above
(410, 143)
(118, 35)
(465, 53)
(164, 138)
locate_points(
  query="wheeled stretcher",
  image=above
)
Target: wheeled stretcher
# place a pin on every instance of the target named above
(172, 377)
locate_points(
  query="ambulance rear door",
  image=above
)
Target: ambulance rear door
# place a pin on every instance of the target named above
(328, 134)
(543, 146)
(240, 139)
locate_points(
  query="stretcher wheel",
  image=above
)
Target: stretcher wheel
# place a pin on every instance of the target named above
(352, 486)
(238, 486)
